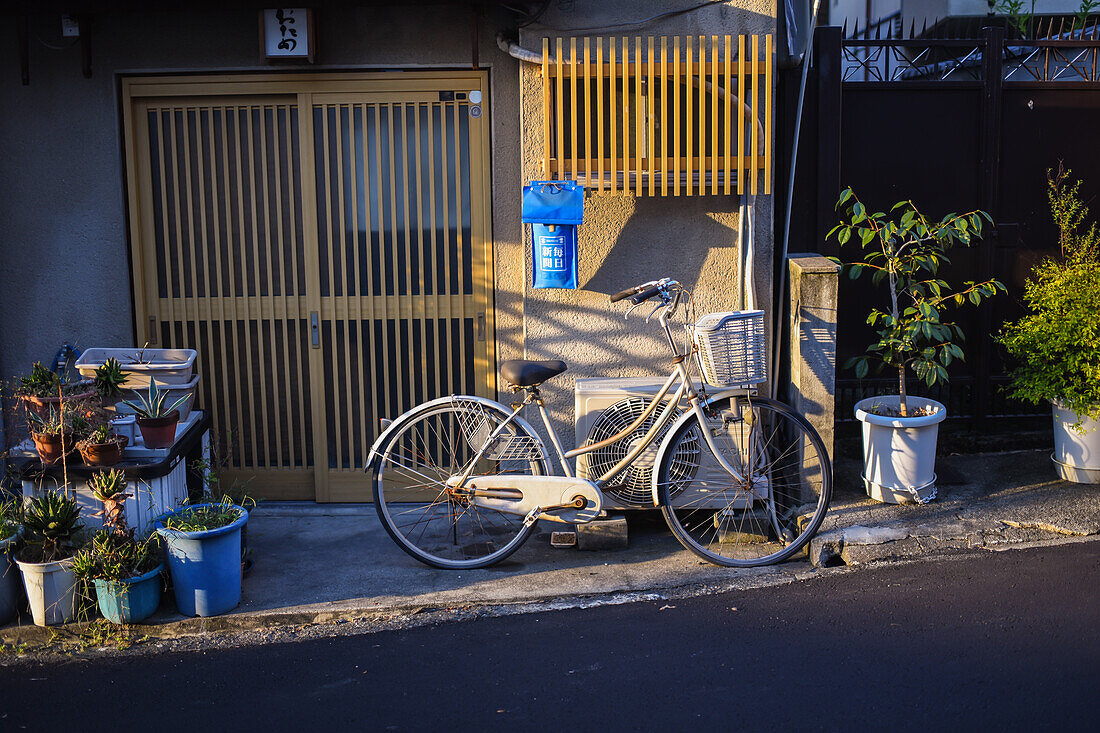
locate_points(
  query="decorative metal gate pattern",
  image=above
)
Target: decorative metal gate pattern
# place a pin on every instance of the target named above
(322, 241)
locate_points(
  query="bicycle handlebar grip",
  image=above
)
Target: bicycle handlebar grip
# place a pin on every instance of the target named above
(645, 295)
(624, 294)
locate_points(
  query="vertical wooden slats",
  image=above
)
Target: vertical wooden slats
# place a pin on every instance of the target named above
(699, 166)
(714, 89)
(679, 118)
(689, 128)
(727, 97)
(755, 125)
(545, 107)
(573, 104)
(740, 115)
(267, 345)
(457, 170)
(650, 115)
(588, 111)
(767, 114)
(676, 86)
(639, 117)
(628, 166)
(599, 116)
(664, 116)
(282, 313)
(613, 127)
(559, 112)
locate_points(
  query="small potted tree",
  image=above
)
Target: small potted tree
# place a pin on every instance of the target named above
(904, 250)
(11, 531)
(156, 418)
(125, 571)
(51, 521)
(204, 555)
(1057, 344)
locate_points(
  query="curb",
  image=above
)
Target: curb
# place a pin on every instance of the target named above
(839, 551)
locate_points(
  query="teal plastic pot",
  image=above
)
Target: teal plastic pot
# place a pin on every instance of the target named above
(205, 566)
(11, 588)
(131, 600)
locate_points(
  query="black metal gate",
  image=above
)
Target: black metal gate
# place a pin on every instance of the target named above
(953, 126)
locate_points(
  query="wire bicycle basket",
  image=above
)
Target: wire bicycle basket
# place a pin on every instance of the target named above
(731, 348)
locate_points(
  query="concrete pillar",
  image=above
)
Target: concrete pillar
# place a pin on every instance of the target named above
(812, 341)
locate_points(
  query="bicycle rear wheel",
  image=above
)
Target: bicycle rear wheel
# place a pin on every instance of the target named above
(772, 512)
(426, 517)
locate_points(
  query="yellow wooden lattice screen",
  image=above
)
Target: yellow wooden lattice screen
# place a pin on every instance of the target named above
(688, 115)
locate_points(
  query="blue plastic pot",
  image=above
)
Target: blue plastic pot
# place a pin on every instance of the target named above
(205, 566)
(131, 600)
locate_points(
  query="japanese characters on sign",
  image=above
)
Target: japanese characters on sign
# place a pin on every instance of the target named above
(287, 33)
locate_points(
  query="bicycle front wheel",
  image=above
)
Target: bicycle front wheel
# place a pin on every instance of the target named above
(768, 514)
(423, 514)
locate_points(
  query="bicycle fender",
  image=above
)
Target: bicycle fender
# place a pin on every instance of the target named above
(688, 415)
(375, 454)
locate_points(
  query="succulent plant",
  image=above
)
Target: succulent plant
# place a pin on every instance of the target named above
(41, 382)
(152, 403)
(109, 378)
(117, 557)
(109, 487)
(52, 519)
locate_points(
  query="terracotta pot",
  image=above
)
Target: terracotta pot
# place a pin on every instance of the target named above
(159, 432)
(51, 448)
(41, 405)
(103, 454)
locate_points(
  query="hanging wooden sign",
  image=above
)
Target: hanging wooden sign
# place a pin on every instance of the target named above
(287, 34)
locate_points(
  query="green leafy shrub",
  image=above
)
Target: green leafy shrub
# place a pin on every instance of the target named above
(1057, 344)
(904, 250)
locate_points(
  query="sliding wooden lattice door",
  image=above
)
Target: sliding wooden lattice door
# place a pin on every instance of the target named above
(323, 242)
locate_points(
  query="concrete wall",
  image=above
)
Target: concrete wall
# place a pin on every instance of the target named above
(66, 268)
(65, 274)
(629, 239)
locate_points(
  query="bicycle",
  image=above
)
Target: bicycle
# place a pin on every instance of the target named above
(742, 480)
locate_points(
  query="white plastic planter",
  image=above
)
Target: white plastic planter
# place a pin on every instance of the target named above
(175, 391)
(51, 590)
(167, 366)
(1076, 453)
(899, 453)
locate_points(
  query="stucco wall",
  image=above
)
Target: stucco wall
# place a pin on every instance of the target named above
(65, 274)
(629, 239)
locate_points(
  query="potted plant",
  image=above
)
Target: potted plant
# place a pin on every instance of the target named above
(155, 418)
(125, 571)
(904, 250)
(204, 555)
(43, 389)
(108, 379)
(1057, 344)
(52, 434)
(52, 521)
(11, 531)
(102, 447)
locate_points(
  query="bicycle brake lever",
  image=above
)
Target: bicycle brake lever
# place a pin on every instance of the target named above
(654, 312)
(626, 315)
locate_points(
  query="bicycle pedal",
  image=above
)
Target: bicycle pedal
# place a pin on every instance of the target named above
(563, 539)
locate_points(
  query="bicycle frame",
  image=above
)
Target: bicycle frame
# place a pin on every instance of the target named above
(685, 388)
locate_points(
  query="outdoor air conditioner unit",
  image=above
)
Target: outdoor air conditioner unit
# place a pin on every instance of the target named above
(603, 408)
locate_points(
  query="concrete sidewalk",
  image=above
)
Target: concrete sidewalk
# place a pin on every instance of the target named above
(327, 563)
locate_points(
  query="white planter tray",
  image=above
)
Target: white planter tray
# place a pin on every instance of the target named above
(133, 452)
(167, 366)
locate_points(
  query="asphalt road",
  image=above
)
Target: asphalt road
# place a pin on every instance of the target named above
(1002, 641)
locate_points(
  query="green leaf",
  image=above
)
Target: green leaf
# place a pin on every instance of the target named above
(845, 235)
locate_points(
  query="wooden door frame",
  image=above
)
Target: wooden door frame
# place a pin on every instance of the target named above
(301, 87)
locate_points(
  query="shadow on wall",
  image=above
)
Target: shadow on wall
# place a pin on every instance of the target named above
(658, 239)
(817, 344)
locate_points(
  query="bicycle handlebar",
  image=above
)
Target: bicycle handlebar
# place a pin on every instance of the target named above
(650, 288)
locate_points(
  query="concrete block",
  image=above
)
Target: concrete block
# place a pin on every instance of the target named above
(603, 534)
